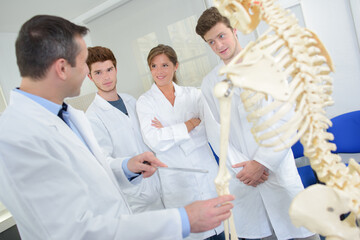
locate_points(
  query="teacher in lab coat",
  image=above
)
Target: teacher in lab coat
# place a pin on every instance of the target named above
(54, 178)
(170, 123)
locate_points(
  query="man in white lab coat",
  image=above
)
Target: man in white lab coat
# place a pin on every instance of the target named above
(114, 121)
(260, 207)
(54, 178)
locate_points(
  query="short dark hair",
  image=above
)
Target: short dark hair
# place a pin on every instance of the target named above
(208, 19)
(42, 40)
(163, 49)
(99, 54)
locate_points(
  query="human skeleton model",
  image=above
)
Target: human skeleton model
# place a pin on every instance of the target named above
(288, 68)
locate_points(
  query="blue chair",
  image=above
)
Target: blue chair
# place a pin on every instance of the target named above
(307, 175)
(346, 131)
(298, 149)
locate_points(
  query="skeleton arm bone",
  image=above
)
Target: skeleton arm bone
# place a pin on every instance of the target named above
(223, 93)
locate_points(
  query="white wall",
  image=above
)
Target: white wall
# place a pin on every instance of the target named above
(10, 76)
(2, 207)
(131, 30)
(332, 21)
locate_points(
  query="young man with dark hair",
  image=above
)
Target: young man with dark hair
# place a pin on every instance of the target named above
(113, 119)
(268, 180)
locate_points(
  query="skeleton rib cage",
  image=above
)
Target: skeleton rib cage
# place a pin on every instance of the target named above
(285, 79)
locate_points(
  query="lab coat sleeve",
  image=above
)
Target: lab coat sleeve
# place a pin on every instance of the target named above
(50, 194)
(269, 158)
(158, 139)
(146, 191)
(104, 140)
(213, 132)
(207, 90)
(196, 140)
(139, 189)
(212, 128)
(212, 122)
(198, 134)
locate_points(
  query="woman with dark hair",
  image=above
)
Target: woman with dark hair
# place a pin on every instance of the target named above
(170, 120)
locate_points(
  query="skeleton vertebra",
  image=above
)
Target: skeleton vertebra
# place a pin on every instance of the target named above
(290, 65)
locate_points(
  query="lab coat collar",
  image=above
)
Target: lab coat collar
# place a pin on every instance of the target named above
(43, 115)
(36, 109)
(158, 94)
(32, 109)
(49, 105)
(102, 103)
(105, 105)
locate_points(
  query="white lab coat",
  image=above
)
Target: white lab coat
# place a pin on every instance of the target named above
(119, 136)
(268, 203)
(177, 148)
(57, 189)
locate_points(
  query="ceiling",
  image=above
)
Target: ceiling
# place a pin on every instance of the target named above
(13, 13)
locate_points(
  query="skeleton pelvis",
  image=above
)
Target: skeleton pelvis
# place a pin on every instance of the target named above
(318, 208)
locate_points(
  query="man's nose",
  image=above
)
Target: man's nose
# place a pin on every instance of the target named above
(106, 74)
(218, 45)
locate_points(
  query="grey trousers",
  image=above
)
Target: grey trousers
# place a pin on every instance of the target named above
(313, 237)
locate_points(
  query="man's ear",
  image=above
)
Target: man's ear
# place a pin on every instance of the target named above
(61, 67)
(235, 31)
(89, 76)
